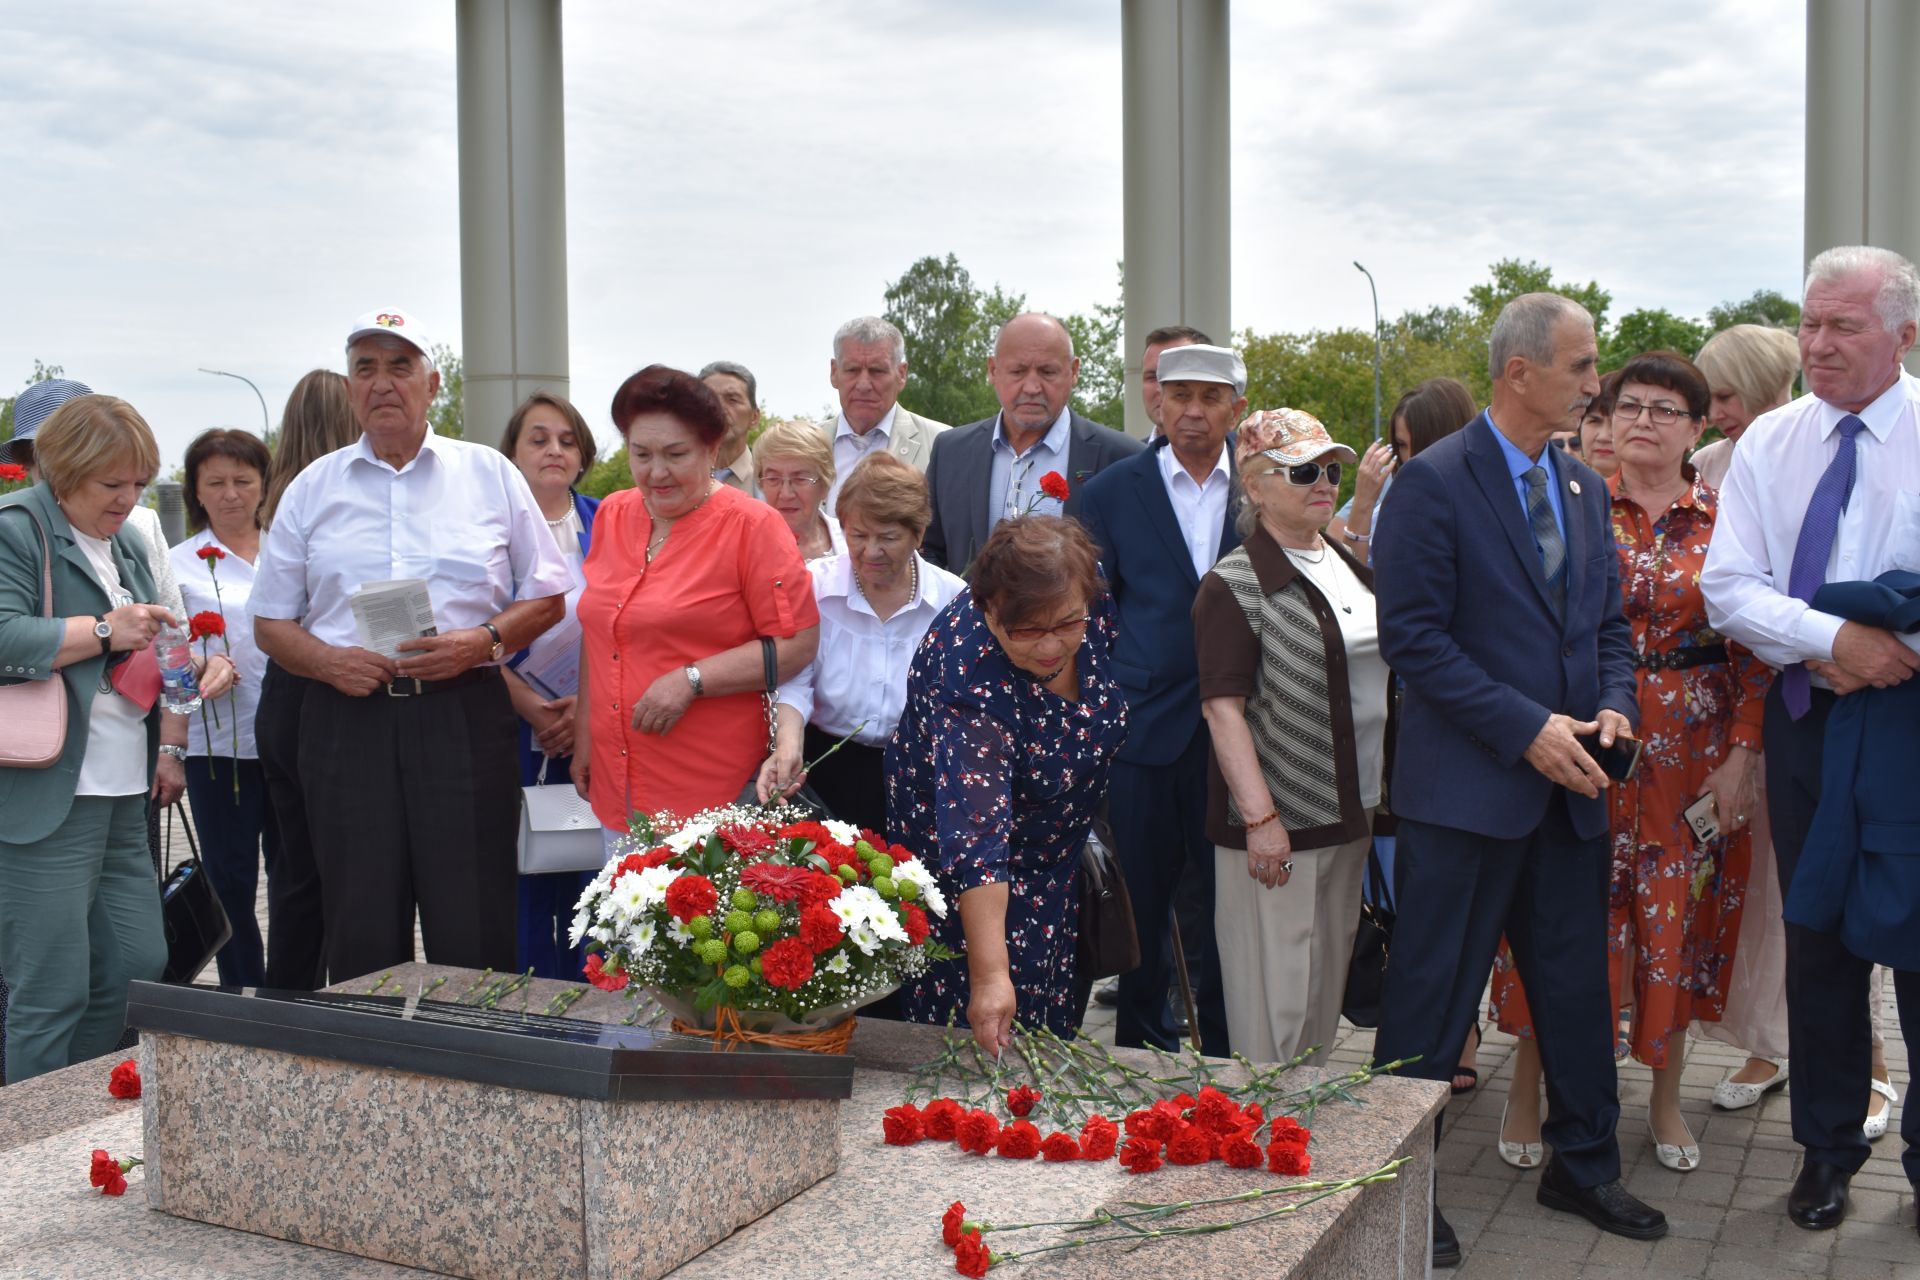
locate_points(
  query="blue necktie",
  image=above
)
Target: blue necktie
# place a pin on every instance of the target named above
(1546, 535)
(1815, 548)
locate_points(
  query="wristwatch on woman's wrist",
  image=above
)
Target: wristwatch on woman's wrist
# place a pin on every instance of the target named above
(693, 678)
(177, 752)
(103, 631)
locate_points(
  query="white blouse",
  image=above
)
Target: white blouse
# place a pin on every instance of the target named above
(859, 671)
(223, 588)
(115, 761)
(1367, 674)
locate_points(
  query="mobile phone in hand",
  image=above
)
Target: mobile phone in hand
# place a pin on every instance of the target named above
(1619, 761)
(1703, 815)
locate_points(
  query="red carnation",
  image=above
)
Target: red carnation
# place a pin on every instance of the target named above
(746, 841)
(12, 471)
(1020, 1099)
(904, 1125)
(1155, 1122)
(1255, 1114)
(1098, 1138)
(971, 1257)
(819, 889)
(1217, 1113)
(124, 1082)
(638, 862)
(1140, 1155)
(1190, 1144)
(1287, 1129)
(206, 623)
(104, 1167)
(950, 1220)
(942, 1115)
(1288, 1159)
(1054, 485)
(597, 974)
(805, 831)
(1019, 1141)
(1183, 1103)
(1240, 1153)
(787, 964)
(1060, 1147)
(691, 896)
(211, 552)
(977, 1132)
(915, 922)
(838, 855)
(782, 884)
(820, 929)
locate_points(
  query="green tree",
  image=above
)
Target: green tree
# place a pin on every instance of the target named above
(1101, 391)
(41, 373)
(606, 476)
(446, 415)
(947, 323)
(1766, 306)
(1512, 277)
(1650, 330)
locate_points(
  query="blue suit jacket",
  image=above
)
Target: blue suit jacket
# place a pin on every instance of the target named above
(1859, 872)
(1466, 621)
(1144, 555)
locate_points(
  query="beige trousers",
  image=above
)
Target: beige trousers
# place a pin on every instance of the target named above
(1284, 951)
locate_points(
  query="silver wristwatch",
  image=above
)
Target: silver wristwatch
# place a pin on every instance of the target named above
(178, 753)
(693, 678)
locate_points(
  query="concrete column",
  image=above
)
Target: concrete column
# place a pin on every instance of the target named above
(1173, 61)
(1863, 152)
(513, 208)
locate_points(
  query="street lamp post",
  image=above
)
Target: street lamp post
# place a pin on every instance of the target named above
(265, 430)
(1376, 347)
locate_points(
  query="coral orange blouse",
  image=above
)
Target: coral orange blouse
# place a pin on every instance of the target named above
(727, 574)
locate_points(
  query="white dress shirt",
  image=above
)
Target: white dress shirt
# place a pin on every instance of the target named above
(234, 579)
(1199, 509)
(850, 446)
(859, 671)
(459, 515)
(115, 760)
(1764, 501)
(1013, 486)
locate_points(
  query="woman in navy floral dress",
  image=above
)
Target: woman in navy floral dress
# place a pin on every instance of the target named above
(999, 765)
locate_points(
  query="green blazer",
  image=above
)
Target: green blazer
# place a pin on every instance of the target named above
(36, 801)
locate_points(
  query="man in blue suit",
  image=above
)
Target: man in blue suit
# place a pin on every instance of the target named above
(1161, 519)
(1499, 595)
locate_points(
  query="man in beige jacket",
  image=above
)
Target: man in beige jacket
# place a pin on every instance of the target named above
(868, 369)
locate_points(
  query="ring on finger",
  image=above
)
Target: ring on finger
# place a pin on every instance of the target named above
(1286, 866)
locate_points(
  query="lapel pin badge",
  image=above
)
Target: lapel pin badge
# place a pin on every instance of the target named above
(1575, 486)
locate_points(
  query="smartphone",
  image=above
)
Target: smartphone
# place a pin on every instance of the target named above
(1619, 761)
(1703, 815)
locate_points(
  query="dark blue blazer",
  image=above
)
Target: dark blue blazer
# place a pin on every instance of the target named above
(1144, 555)
(1859, 872)
(1466, 621)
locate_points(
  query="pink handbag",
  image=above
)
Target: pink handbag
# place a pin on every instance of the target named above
(35, 711)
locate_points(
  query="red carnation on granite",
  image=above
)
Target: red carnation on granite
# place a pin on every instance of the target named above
(1019, 1141)
(915, 922)
(691, 896)
(109, 1174)
(124, 1082)
(1189, 1144)
(1021, 1099)
(1098, 1138)
(943, 1118)
(597, 975)
(1287, 1129)
(211, 552)
(787, 964)
(951, 1220)
(971, 1257)
(1140, 1155)
(1058, 1148)
(1054, 485)
(1217, 1113)
(1288, 1159)
(977, 1132)
(904, 1125)
(1240, 1153)
(819, 928)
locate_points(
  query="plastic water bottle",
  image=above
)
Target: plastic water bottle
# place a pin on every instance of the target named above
(179, 687)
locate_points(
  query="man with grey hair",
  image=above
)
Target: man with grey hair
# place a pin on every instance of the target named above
(739, 395)
(1499, 599)
(1824, 490)
(868, 370)
(985, 471)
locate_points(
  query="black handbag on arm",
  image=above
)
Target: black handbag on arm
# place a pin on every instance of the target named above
(805, 799)
(195, 922)
(1109, 945)
(1367, 973)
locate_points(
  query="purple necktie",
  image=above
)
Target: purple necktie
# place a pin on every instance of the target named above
(1815, 547)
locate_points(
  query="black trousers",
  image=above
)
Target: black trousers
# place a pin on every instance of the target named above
(852, 781)
(1159, 819)
(413, 801)
(1829, 1028)
(1457, 892)
(295, 914)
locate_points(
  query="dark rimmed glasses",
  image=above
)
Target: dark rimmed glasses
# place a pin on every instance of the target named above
(1065, 631)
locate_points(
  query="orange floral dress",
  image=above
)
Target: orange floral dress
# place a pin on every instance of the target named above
(1673, 911)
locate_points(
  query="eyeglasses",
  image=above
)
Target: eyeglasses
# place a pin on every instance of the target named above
(1307, 473)
(777, 481)
(1065, 631)
(1661, 415)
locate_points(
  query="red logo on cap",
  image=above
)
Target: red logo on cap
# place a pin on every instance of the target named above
(390, 320)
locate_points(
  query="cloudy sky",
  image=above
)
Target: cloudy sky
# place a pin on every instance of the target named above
(227, 184)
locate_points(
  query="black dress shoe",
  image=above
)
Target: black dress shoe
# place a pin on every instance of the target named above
(1609, 1206)
(1819, 1196)
(1446, 1245)
(1107, 997)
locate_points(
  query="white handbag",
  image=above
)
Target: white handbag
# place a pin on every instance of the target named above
(558, 831)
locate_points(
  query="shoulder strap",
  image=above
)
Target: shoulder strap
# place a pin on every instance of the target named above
(46, 561)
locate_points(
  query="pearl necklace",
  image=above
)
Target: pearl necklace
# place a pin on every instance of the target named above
(913, 584)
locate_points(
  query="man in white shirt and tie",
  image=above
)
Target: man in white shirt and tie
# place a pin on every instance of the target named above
(408, 766)
(868, 371)
(1826, 488)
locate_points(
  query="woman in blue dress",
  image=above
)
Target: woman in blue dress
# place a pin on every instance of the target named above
(997, 770)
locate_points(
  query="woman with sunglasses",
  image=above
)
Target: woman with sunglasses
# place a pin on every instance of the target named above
(997, 770)
(1295, 694)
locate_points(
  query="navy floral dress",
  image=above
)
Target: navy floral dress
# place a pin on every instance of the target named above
(1002, 778)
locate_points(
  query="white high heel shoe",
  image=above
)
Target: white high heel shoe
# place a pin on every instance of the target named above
(1876, 1126)
(1684, 1158)
(1521, 1155)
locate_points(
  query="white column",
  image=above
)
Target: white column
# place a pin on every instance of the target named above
(513, 208)
(1173, 60)
(1863, 149)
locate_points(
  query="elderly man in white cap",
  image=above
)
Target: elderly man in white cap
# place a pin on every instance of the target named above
(1161, 519)
(408, 762)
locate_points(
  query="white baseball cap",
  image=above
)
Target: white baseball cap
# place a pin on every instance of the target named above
(395, 322)
(1195, 362)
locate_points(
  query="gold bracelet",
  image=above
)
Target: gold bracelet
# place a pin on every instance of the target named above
(1256, 825)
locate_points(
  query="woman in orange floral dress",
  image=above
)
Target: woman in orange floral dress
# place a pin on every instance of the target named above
(1674, 909)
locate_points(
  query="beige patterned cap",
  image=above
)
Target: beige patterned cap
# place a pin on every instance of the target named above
(1287, 436)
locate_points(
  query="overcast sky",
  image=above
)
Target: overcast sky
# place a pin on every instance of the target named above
(228, 184)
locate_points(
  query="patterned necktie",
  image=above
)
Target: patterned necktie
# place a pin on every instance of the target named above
(1546, 536)
(1815, 547)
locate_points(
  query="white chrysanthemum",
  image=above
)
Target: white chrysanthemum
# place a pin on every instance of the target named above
(839, 963)
(581, 919)
(640, 937)
(843, 832)
(862, 936)
(653, 884)
(694, 833)
(888, 926)
(678, 932)
(857, 904)
(601, 933)
(627, 898)
(920, 875)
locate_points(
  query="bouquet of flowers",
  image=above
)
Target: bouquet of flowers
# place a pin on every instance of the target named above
(797, 922)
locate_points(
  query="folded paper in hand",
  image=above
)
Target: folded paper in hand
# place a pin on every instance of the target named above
(389, 613)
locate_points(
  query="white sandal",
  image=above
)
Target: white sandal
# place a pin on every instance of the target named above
(1736, 1095)
(1521, 1155)
(1876, 1125)
(1681, 1159)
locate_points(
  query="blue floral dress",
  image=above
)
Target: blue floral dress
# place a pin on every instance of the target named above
(1002, 778)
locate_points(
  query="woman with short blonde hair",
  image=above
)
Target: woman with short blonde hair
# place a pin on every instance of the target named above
(794, 463)
(1749, 369)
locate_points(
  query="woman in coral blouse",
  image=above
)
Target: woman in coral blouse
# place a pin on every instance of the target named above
(684, 579)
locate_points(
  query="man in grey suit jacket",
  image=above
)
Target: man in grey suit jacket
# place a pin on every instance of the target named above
(868, 369)
(988, 470)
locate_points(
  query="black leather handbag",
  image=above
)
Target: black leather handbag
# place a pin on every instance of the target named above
(1109, 945)
(1367, 972)
(195, 922)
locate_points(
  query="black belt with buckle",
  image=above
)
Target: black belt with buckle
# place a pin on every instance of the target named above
(406, 687)
(1680, 659)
